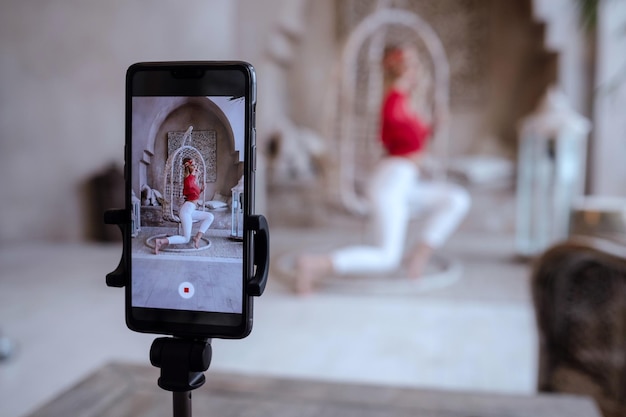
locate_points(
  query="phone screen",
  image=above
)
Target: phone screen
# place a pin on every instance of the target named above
(190, 130)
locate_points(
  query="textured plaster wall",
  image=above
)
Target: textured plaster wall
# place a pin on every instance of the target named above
(62, 95)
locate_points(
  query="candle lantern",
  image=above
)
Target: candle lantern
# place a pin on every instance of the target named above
(236, 229)
(135, 215)
(550, 172)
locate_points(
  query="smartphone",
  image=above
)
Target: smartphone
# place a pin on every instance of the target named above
(189, 166)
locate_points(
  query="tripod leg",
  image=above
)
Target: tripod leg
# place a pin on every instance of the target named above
(182, 404)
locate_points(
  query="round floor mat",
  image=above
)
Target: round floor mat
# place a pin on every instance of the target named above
(178, 248)
(441, 272)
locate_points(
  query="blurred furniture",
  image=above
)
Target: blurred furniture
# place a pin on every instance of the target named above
(579, 291)
(600, 216)
(105, 190)
(131, 390)
(6, 348)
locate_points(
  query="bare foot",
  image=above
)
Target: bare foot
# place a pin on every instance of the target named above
(196, 240)
(158, 244)
(310, 269)
(419, 260)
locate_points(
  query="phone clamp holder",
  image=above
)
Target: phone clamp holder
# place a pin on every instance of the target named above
(183, 361)
(121, 218)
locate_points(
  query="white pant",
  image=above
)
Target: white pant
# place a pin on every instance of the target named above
(188, 214)
(395, 195)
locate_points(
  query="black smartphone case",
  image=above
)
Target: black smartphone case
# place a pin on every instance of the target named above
(185, 79)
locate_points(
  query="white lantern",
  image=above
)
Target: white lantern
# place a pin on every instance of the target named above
(236, 229)
(550, 172)
(135, 215)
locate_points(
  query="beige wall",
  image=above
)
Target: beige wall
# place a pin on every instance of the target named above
(62, 95)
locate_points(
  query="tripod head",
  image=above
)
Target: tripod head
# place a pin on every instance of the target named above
(182, 362)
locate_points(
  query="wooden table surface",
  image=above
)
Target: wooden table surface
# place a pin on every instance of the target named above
(125, 390)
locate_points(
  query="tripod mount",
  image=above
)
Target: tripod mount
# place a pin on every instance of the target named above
(182, 360)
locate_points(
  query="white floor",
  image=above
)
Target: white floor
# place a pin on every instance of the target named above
(477, 334)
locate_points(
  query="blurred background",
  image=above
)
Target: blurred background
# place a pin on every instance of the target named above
(62, 77)
(64, 63)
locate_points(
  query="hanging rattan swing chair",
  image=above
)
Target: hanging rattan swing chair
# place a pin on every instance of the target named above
(353, 125)
(353, 119)
(173, 189)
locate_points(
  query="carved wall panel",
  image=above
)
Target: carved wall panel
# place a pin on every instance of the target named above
(205, 141)
(463, 27)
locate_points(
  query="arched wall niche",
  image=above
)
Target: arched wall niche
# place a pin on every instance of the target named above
(176, 114)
